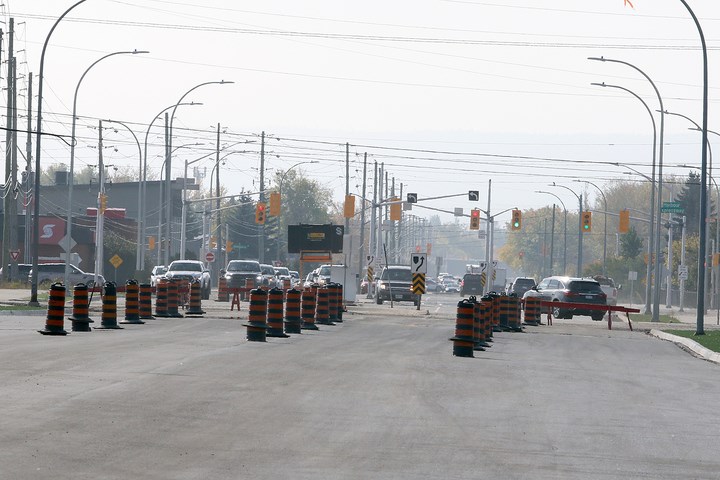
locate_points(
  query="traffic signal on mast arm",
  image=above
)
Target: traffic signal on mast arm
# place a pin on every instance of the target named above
(274, 204)
(349, 207)
(587, 221)
(475, 219)
(395, 209)
(516, 221)
(260, 213)
(624, 222)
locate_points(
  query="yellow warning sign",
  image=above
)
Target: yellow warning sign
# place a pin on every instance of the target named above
(418, 283)
(116, 260)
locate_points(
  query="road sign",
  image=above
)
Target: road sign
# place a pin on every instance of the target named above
(412, 198)
(682, 272)
(116, 260)
(418, 263)
(672, 207)
(474, 195)
(418, 283)
(14, 255)
(632, 275)
(210, 257)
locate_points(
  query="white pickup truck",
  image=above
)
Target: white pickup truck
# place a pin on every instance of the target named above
(608, 287)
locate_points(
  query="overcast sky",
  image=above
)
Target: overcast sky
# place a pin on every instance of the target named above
(447, 93)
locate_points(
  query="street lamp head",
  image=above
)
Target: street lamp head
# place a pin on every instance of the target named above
(136, 51)
(599, 59)
(223, 82)
(596, 84)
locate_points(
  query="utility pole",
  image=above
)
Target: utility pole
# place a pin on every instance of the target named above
(217, 205)
(552, 243)
(10, 213)
(361, 258)
(168, 190)
(100, 218)
(28, 172)
(373, 247)
(261, 228)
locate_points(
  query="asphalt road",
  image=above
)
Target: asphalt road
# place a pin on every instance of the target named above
(379, 396)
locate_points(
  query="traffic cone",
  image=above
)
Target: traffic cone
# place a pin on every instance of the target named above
(293, 320)
(81, 306)
(109, 308)
(54, 322)
(132, 303)
(195, 306)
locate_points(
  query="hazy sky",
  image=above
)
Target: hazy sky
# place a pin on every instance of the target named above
(447, 93)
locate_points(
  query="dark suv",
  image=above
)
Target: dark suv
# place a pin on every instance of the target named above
(395, 281)
(573, 290)
(472, 284)
(237, 271)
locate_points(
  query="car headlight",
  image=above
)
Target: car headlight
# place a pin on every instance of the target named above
(383, 286)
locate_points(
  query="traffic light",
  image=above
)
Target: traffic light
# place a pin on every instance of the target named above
(587, 221)
(624, 223)
(395, 209)
(516, 221)
(228, 246)
(151, 243)
(260, 213)
(475, 219)
(103, 203)
(274, 204)
(349, 209)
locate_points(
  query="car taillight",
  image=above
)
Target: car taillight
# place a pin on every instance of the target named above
(568, 293)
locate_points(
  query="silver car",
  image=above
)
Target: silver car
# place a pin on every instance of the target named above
(55, 272)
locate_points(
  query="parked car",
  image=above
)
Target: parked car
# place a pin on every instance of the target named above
(395, 280)
(309, 279)
(55, 272)
(238, 271)
(432, 285)
(521, 285)
(269, 278)
(22, 271)
(157, 273)
(450, 285)
(472, 284)
(608, 286)
(570, 289)
(190, 270)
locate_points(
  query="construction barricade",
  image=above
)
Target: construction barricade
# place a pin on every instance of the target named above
(55, 320)
(463, 341)
(109, 308)
(161, 298)
(322, 307)
(275, 313)
(81, 309)
(257, 316)
(195, 305)
(145, 301)
(308, 301)
(132, 303)
(293, 320)
(223, 292)
(532, 311)
(173, 300)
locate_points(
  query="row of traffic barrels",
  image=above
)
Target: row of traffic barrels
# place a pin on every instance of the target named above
(138, 305)
(303, 310)
(477, 320)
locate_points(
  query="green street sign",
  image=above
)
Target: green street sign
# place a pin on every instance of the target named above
(672, 207)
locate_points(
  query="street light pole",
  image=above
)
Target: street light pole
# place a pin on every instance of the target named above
(168, 162)
(38, 151)
(658, 213)
(71, 176)
(143, 190)
(580, 230)
(183, 225)
(565, 227)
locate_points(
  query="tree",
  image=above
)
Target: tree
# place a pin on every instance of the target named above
(631, 245)
(689, 199)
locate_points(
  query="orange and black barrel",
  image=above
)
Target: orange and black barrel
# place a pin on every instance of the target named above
(463, 341)
(293, 320)
(249, 285)
(173, 299)
(195, 305)
(505, 312)
(495, 311)
(307, 301)
(161, 298)
(257, 316)
(322, 308)
(223, 294)
(332, 302)
(486, 314)
(145, 301)
(514, 321)
(478, 326)
(55, 320)
(275, 313)
(109, 307)
(532, 311)
(132, 302)
(341, 302)
(286, 284)
(81, 309)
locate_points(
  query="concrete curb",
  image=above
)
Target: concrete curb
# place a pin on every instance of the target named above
(691, 345)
